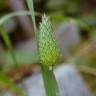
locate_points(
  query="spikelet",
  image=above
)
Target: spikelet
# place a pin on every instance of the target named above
(47, 45)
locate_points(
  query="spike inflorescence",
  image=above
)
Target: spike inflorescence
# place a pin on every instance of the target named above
(47, 45)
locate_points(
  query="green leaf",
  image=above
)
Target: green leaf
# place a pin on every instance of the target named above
(5, 38)
(5, 82)
(31, 9)
(10, 15)
(9, 46)
(14, 14)
(50, 82)
(58, 18)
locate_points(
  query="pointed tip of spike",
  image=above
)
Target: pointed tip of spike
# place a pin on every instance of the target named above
(45, 17)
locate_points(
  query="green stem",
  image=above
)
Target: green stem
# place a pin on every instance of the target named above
(31, 9)
(8, 44)
(50, 83)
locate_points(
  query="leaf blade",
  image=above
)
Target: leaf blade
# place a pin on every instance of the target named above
(31, 9)
(51, 86)
(14, 14)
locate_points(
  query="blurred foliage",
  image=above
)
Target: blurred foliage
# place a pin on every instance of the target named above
(91, 81)
(3, 4)
(86, 54)
(85, 60)
(22, 57)
(6, 83)
(71, 7)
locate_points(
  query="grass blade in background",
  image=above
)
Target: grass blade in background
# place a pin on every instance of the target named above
(14, 14)
(32, 12)
(5, 38)
(8, 44)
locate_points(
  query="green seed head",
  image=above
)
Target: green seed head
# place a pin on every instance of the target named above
(47, 45)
